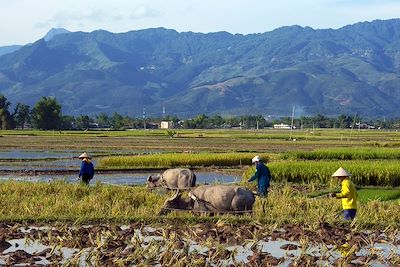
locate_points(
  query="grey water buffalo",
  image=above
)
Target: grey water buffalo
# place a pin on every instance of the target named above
(213, 199)
(173, 178)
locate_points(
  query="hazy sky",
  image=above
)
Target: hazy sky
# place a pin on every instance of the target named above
(25, 21)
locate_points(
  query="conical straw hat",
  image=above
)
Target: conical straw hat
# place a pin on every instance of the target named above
(341, 173)
(84, 155)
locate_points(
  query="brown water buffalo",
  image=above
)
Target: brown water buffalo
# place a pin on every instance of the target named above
(213, 199)
(173, 178)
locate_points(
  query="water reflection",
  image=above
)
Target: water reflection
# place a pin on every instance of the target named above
(24, 165)
(130, 178)
(23, 154)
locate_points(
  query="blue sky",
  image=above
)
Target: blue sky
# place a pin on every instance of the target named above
(25, 21)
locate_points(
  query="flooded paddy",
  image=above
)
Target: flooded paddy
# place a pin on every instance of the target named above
(125, 231)
(45, 166)
(115, 178)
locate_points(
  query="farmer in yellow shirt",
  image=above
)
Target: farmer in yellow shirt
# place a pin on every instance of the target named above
(348, 194)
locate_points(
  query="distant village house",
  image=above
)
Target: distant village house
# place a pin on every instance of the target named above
(167, 125)
(281, 126)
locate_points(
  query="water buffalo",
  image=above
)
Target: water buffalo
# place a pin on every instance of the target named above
(173, 178)
(213, 199)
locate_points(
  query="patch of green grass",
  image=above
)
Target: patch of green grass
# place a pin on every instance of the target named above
(376, 173)
(368, 194)
(348, 153)
(365, 194)
(170, 160)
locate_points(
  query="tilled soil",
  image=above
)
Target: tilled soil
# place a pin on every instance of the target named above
(170, 244)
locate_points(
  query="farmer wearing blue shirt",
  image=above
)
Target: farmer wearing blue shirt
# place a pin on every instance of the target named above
(262, 175)
(87, 170)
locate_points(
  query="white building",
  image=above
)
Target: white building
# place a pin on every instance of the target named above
(281, 126)
(167, 125)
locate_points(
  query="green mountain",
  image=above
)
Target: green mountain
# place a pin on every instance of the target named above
(354, 69)
(9, 49)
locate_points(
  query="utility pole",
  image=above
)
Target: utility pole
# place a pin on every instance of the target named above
(163, 111)
(144, 118)
(291, 125)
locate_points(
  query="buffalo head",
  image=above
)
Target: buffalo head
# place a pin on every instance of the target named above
(153, 181)
(177, 202)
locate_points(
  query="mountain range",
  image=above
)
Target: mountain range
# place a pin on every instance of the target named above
(351, 70)
(9, 49)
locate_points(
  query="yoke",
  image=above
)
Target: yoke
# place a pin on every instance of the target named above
(211, 212)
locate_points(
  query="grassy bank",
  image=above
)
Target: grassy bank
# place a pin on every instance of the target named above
(170, 160)
(349, 153)
(377, 173)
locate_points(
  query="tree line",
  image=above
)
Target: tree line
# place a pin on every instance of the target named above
(46, 115)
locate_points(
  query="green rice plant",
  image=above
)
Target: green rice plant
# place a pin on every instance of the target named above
(60, 201)
(168, 160)
(46, 201)
(377, 173)
(284, 205)
(348, 153)
(368, 194)
(365, 194)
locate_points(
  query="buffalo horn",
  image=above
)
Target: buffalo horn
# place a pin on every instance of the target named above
(174, 196)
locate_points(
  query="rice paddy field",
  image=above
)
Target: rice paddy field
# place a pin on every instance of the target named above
(70, 224)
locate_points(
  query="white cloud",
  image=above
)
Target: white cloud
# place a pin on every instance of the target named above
(70, 18)
(23, 21)
(144, 12)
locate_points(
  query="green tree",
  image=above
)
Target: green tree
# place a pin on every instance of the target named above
(22, 115)
(67, 122)
(46, 114)
(344, 121)
(216, 121)
(103, 120)
(172, 118)
(117, 121)
(83, 122)
(321, 121)
(200, 121)
(5, 116)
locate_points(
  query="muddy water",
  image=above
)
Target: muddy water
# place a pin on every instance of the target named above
(19, 160)
(23, 154)
(30, 166)
(126, 178)
(34, 246)
(45, 166)
(78, 245)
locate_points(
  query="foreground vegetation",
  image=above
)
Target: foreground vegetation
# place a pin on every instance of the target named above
(59, 201)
